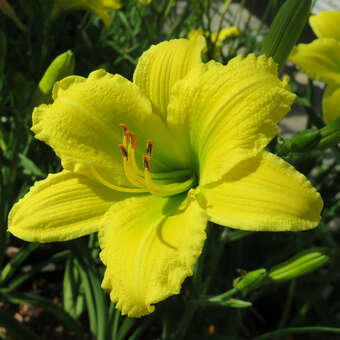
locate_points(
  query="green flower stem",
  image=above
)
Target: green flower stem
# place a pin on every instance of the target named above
(288, 331)
(224, 296)
(288, 304)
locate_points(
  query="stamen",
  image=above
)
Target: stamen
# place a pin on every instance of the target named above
(133, 139)
(146, 163)
(103, 181)
(124, 128)
(123, 151)
(149, 148)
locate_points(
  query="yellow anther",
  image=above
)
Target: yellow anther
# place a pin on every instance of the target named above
(123, 150)
(149, 148)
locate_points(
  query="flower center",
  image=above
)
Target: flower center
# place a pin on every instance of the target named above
(160, 184)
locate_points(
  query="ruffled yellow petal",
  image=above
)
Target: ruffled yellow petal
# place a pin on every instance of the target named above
(150, 245)
(61, 207)
(320, 60)
(82, 125)
(160, 67)
(227, 114)
(264, 194)
(326, 24)
(331, 104)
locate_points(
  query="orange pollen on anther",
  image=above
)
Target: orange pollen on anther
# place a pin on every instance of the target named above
(149, 148)
(123, 150)
(125, 128)
(133, 139)
(146, 163)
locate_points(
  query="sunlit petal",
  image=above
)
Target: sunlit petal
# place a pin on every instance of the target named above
(320, 59)
(326, 24)
(160, 67)
(150, 245)
(82, 125)
(264, 194)
(61, 207)
(228, 113)
(331, 104)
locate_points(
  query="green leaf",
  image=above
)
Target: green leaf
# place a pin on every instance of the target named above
(73, 298)
(286, 29)
(16, 261)
(30, 168)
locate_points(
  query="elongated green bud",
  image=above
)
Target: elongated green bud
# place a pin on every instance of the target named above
(61, 67)
(286, 29)
(330, 135)
(235, 303)
(250, 281)
(301, 264)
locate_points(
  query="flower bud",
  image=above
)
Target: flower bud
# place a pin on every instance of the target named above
(303, 263)
(61, 67)
(286, 29)
(250, 281)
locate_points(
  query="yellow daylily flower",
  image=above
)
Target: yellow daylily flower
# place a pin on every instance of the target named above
(216, 38)
(100, 7)
(148, 163)
(320, 59)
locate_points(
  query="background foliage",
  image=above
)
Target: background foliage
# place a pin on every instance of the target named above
(52, 291)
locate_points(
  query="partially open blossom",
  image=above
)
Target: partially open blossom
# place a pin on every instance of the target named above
(148, 163)
(100, 7)
(320, 59)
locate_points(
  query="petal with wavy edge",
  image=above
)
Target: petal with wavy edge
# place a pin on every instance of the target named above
(264, 194)
(331, 104)
(326, 24)
(320, 60)
(61, 207)
(160, 67)
(150, 245)
(82, 125)
(228, 113)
